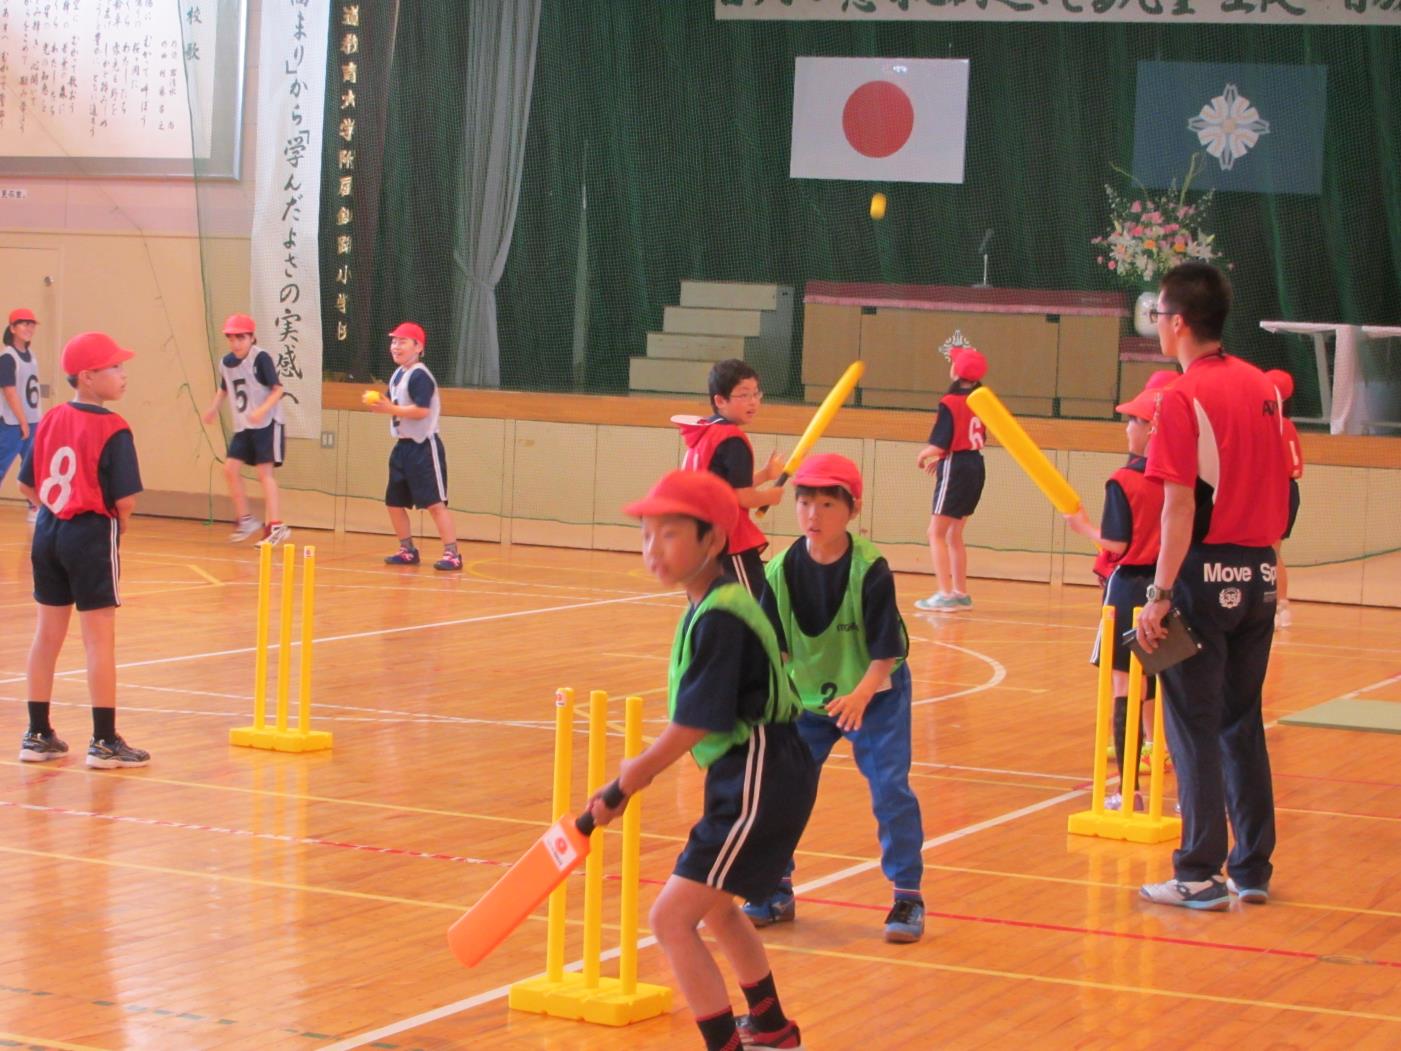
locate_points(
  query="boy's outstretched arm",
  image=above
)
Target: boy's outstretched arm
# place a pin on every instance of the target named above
(636, 774)
(927, 459)
(849, 709)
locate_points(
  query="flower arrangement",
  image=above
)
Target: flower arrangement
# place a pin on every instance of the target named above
(1149, 234)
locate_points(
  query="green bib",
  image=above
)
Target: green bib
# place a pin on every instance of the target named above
(827, 666)
(781, 707)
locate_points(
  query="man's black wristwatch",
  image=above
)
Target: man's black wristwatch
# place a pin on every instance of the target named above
(1157, 594)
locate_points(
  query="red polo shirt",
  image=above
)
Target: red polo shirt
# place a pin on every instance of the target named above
(1218, 430)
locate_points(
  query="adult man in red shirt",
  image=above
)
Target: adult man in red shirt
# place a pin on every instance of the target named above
(1216, 448)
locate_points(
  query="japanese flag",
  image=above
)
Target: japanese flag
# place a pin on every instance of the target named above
(883, 119)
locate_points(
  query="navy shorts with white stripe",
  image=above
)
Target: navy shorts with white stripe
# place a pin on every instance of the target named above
(418, 474)
(758, 797)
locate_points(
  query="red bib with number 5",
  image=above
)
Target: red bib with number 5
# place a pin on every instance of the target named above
(68, 444)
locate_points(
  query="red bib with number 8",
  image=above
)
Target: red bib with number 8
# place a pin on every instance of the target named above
(68, 444)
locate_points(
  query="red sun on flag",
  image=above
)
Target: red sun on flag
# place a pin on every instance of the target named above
(878, 118)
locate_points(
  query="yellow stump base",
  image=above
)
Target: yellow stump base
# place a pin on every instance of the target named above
(1140, 828)
(603, 1004)
(273, 740)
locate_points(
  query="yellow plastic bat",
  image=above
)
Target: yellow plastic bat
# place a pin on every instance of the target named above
(1005, 428)
(820, 419)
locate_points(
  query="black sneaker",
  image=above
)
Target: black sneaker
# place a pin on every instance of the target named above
(788, 1037)
(114, 754)
(40, 748)
(905, 922)
(405, 556)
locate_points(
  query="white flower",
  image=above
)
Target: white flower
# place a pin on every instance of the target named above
(1228, 126)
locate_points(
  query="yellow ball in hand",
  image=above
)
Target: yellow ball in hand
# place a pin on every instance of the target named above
(370, 397)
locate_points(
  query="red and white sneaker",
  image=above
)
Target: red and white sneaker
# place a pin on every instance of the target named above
(787, 1037)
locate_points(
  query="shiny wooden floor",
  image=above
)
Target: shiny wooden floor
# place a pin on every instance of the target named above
(228, 898)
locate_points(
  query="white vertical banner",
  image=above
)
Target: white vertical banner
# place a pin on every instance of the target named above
(284, 263)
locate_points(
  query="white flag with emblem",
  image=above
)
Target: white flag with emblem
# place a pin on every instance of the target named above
(880, 119)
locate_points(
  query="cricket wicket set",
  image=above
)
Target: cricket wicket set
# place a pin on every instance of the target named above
(1125, 823)
(279, 737)
(588, 995)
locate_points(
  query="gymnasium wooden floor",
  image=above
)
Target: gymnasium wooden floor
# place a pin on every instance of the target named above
(228, 898)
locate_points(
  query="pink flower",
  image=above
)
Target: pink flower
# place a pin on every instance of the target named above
(1172, 228)
(1136, 207)
(1113, 265)
(1100, 260)
(1137, 231)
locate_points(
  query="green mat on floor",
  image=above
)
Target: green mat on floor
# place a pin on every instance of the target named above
(1345, 713)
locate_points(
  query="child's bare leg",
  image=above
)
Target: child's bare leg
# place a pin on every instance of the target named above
(271, 497)
(49, 633)
(442, 518)
(939, 551)
(958, 557)
(399, 519)
(100, 641)
(675, 917)
(232, 475)
(739, 940)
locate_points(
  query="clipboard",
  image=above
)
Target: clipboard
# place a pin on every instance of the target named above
(1180, 644)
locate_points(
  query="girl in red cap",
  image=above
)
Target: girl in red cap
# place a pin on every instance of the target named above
(19, 392)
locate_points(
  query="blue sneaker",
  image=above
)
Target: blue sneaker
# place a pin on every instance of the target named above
(115, 754)
(405, 556)
(40, 748)
(1249, 895)
(938, 602)
(1208, 894)
(778, 907)
(905, 922)
(963, 601)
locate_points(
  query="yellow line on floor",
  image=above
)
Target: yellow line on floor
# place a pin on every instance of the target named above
(40, 1041)
(205, 574)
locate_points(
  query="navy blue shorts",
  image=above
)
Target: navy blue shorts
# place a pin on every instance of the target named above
(758, 797)
(76, 561)
(263, 445)
(1128, 587)
(1293, 506)
(958, 484)
(418, 474)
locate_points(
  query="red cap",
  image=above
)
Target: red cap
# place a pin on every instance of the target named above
(239, 325)
(1145, 404)
(1283, 381)
(22, 314)
(969, 364)
(92, 350)
(826, 469)
(408, 330)
(698, 494)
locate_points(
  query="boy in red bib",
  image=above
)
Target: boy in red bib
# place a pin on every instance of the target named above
(83, 473)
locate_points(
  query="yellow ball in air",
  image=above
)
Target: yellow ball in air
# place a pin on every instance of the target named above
(878, 206)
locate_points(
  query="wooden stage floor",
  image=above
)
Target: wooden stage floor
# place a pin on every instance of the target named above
(230, 898)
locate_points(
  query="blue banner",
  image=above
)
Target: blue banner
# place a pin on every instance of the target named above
(1259, 128)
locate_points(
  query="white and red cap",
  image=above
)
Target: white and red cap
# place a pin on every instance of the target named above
(409, 330)
(92, 350)
(697, 494)
(828, 469)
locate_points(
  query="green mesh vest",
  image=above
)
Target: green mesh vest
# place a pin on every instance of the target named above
(782, 706)
(827, 666)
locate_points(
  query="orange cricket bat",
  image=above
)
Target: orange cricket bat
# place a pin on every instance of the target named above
(525, 885)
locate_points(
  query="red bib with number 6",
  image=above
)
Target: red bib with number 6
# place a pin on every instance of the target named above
(68, 444)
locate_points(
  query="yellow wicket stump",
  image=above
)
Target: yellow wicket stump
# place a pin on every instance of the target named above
(279, 737)
(588, 995)
(1125, 823)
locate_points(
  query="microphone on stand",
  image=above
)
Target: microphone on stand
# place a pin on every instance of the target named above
(983, 251)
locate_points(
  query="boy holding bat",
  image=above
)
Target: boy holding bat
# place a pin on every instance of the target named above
(732, 708)
(954, 457)
(719, 445)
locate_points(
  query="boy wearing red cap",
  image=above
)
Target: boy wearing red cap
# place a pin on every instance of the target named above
(418, 465)
(1128, 536)
(731, 706)
(719, 445)
(954, 457)
(82, 470)
(248, 379)
(19, 392)
(831, 599)
(1284, 387)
